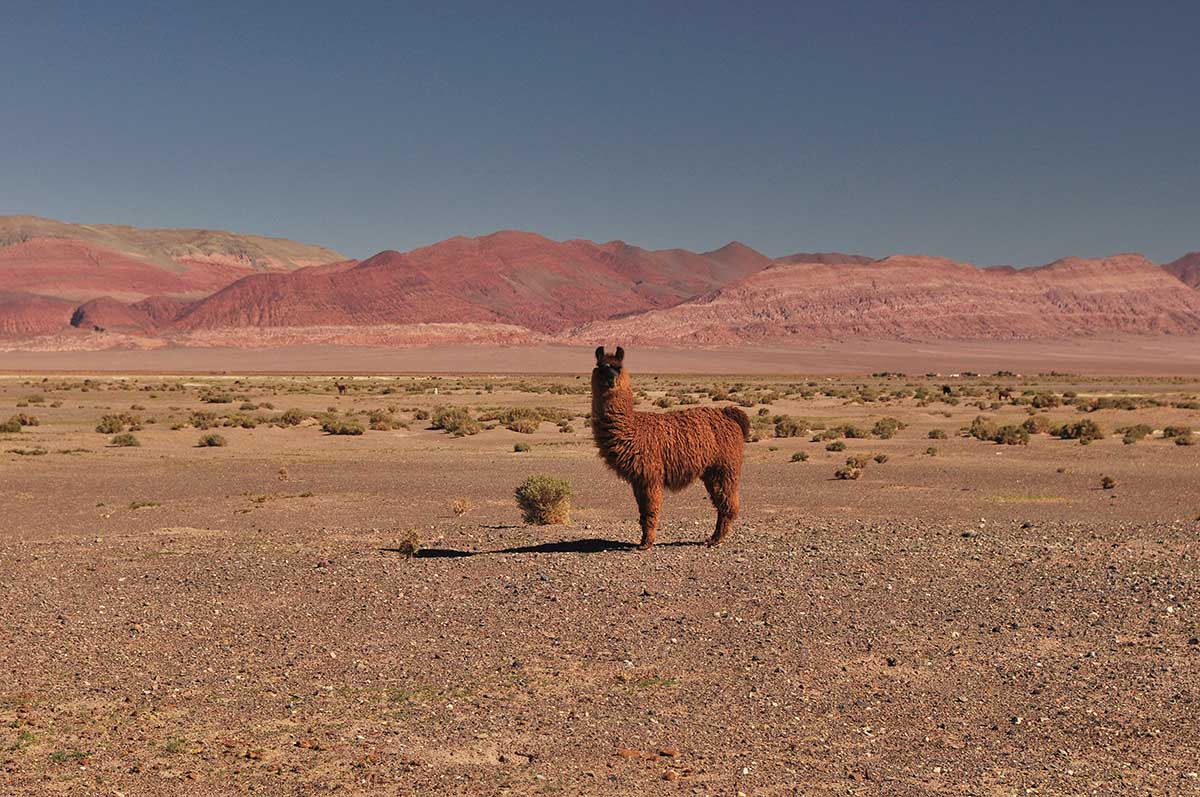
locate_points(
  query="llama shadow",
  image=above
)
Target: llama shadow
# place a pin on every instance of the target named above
(588, 545)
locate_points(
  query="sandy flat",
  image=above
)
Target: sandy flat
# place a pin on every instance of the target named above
(1167, 356)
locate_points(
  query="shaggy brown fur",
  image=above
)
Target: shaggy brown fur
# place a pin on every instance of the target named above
(670, 450)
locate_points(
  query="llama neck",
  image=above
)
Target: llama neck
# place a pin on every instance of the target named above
(612, 413)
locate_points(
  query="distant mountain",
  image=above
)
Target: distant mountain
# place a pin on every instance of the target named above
(828, 258)
(508, 277)
(95, 286)
(1186, 268)
(915, 297)
(81, 262)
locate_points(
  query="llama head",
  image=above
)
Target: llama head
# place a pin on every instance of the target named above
(610, 370)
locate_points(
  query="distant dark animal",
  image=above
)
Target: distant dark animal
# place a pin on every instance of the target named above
(656, 451)
(341, 388)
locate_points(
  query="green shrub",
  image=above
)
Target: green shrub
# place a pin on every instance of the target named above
(1185, 440)
(1176, 431)
(836, 445)
(212, 440)
(857, 461)
(881, 458)
(125, 440)
(11, 426)
(800, 456)
(937, 434)
(520, 448)
(544, 500)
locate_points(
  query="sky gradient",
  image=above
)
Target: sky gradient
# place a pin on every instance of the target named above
(991, 133)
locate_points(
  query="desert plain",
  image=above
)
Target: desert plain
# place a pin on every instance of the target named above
(967, 617)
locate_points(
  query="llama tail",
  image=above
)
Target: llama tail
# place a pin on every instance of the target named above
(740, 418)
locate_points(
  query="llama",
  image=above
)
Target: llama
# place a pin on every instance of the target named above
(670, 450)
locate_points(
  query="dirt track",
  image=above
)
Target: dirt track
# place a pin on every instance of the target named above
(973, 622)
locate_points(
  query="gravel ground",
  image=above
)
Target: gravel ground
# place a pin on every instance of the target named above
(180, 620)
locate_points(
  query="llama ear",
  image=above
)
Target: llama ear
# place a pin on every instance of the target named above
(599, 354)
(620, 355)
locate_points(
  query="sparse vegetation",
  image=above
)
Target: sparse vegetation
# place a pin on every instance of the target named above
(836, 445)
(112, 424)
(886, 428)
(125, 440)
(212, 440)
(1084, 431)
(1107, 482)
(849, 471)
(461, 506)
(800, 456)
(456, 421)
(409, 544)
(544, 500)
(342, 426)
(1132, 434)
(521, 448)
(937, 434)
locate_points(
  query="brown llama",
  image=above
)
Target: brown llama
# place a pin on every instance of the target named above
(670, 450)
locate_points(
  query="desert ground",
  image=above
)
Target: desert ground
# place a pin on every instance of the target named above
(967, 617)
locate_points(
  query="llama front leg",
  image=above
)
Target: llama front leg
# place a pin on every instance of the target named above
(649, 501)
(723, 490)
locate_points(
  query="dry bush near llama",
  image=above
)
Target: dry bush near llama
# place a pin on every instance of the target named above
(666, 451)
(544, 500)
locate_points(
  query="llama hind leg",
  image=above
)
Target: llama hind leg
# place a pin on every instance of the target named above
(723, 490)
(649, 500)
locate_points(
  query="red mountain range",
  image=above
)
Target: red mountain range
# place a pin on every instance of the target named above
(192, 287)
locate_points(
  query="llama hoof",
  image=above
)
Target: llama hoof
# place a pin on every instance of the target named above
(712, 542)
(644, 546)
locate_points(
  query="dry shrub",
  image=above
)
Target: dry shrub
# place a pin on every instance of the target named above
(341, 426)
(886, 428)
(456, 421)
(1132, 434)
(848, 473)
(1107, 482)
(409, 544)
(800, 456)
(212, 440)
(461, 506)
(544, 500)
(125, 440)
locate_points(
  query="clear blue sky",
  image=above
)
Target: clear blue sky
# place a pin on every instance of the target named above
(987, 132)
